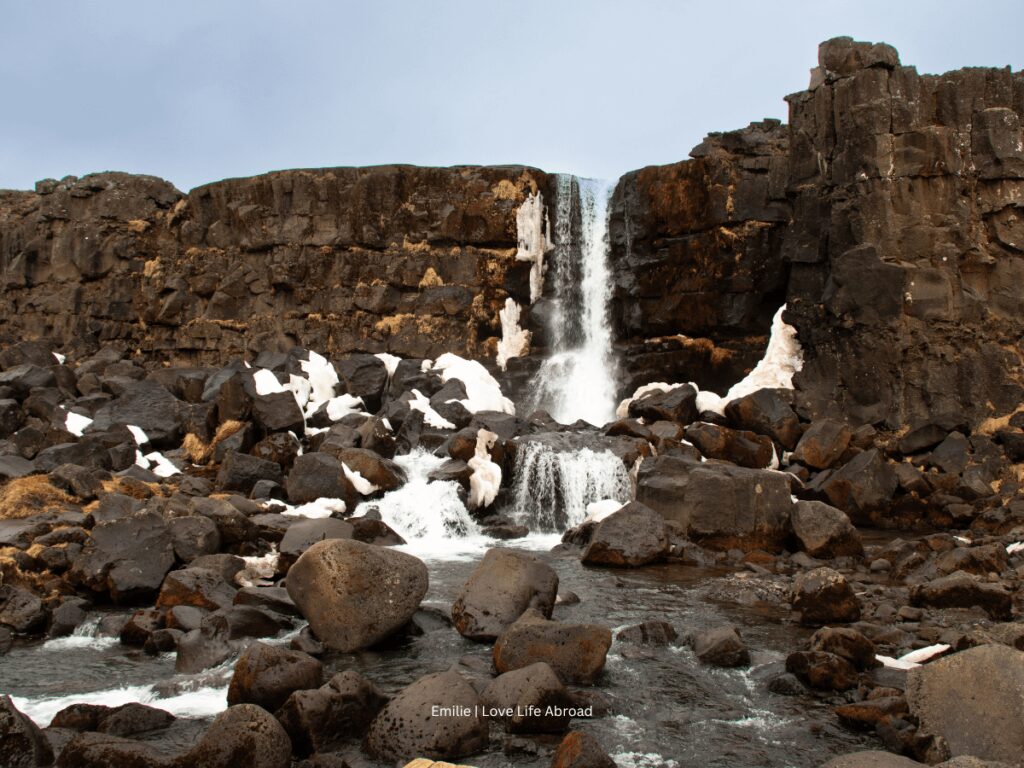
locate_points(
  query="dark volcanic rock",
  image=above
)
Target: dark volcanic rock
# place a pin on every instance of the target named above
(356, 594)
(504, 585)
(267, 675)
(244, 734)
(823, 596)
(721, 647)
(527, 694)
(581, 750)
(825, 531)
(634, 535)
(22, 744)
(862, 486)
(575, 651)
(747, 449)
(318, 475)
(961, 590)
(320, 719)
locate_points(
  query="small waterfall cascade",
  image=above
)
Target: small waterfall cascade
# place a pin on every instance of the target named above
(429, 512)
(551, 488)
(578, 380)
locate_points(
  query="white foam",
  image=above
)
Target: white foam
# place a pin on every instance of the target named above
(76, 423)
(483, 393)
(485, 482)
(84, 636)
(431, 417)
(515, 340)
(642, 760)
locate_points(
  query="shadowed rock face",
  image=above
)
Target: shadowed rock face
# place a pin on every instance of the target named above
(413, 261)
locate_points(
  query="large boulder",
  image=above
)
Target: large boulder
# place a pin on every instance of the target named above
(528, 700)
(824, 596)
(721, 647)
(504, 585)
(303, 534)
(576, 652)
(822, 670)
(104, 750)
(862, 486)
(241, 471)
(22, 744)
(353, 594)
(320, 719)
(267, 675)
(766, 412)
(747, 449)
(21, 610)
(961, 590)
(437, 717)
(127, 557)
(381, 472)
(822, 444)
(198, 587)
(634, 535)
(148, 405)
(716, 504)
(319, 475)
(678, 405)
(244, 734)
(824, 530)
(972, 699)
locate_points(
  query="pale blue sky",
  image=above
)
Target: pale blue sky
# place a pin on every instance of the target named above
(198, 90)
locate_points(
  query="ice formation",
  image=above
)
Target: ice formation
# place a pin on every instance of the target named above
(485, 482)
(515, 341)
(431, 417)
(483, 393)
(534, 240)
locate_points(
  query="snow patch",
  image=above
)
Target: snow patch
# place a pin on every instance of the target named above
(267, 383)
(1017, 546)
(341, 406)
(76, 423)
(390, 362)
(321, 508)
(259, 570)
(515, 340)
(430, 416)
(363, 486)
(140, 437)
(485, 482)
(483, 393)
(322, 379)
(534, 240)
(159, 464)
(59, 357)
(599, 510)
(914, 658)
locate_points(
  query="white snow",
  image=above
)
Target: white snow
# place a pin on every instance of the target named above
(390, 362)
(341, 406)
(1017, 546)
(322, 507)
(301, 388)
(360, 483)
(259, 570)
(430, 416)
(485, 482)
(322, 378)
(140, 437)
(76, 423)
(267, 383)
(483, 393)
(59, 357)
(515, 341)
(599, 510)
(163, 466)
(914, 658)
(534, 240)
(782, 359)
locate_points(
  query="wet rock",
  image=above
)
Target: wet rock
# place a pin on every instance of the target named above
(131, 719)
(375, 532)
(22, 743)
(823, 596)
(243, 734)
(648, 633)
(21, 610)
(634, 535)
(503, 586)
(524, 696)
(961, 590)
(863, 485)
(66, 617)
(197, 587)
(972, 700)
(746, 449)
(356, 594)
(141, 625)
(321, 719)
(241, 471)
(128, 557)
(267, 675)
(824, 531)
(678, 405)
(871, 759)
(581, 750)
(576, 652)
(205, 647)
(871, 713)
(786, 684)
(274, 599)
(721, 647)
(101, 750)
(822, 671)
(848, 643)
(406, 726)
(718, 505)
(318, 475)
(979, 560)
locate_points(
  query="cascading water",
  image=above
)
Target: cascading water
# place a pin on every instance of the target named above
(551, 488)
(577, 380)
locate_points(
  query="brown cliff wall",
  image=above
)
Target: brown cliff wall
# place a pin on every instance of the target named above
(414, 261)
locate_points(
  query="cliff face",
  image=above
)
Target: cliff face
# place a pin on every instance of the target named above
(414, 261)
(889, 215)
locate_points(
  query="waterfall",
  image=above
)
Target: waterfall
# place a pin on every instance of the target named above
(577, 379)
(551, 488)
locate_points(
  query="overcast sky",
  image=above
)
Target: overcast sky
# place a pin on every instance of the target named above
(199, 90)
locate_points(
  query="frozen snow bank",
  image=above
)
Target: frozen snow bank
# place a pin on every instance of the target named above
(483, 393)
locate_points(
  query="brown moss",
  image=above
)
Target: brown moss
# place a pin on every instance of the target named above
(32, 495)
(200, 452)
